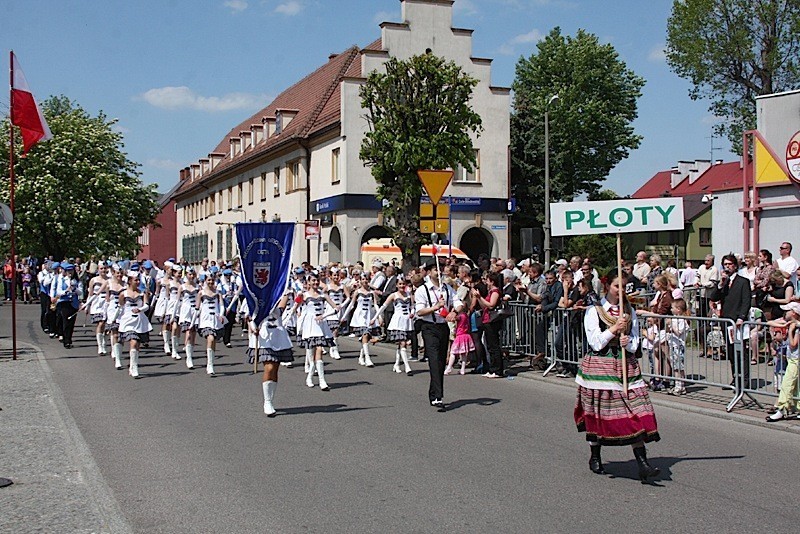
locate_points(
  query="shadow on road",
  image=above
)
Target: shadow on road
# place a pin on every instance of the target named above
(629, 469)
(343, 385)
(329, 408)
(481, 401)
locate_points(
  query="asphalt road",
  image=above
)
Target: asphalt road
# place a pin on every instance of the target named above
(183, 452)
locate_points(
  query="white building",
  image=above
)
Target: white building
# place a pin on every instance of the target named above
(770, 213)
(297, 159)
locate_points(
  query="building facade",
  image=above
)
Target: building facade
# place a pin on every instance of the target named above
(159, 241)
(297, 159)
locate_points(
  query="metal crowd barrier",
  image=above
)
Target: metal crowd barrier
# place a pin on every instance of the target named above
(675, 350)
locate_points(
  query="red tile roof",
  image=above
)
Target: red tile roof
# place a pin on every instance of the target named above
(720, 177)
(317, 99)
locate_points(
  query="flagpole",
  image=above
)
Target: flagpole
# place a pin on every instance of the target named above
(11, 202)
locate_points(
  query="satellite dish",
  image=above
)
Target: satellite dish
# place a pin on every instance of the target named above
(6, 218)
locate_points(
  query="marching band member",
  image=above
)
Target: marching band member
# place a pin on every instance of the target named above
(362, 302)
(173, 310)
(211, 320)
(134, 327)
(187, 314)
(272, 346)
(230, 289)
(45, 279)
(96, 304)
(315, 331)
(401, 325)
(67, 293)
(339, 296)
(114, 289)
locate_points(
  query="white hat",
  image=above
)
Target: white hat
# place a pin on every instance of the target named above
(792, 306)
(526, 261)
(168, 264)
(562, 261)
(377, 262)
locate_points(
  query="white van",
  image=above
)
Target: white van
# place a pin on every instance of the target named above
(385, 250)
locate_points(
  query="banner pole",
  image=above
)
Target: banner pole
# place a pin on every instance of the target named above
(622, 312)
(11, 205)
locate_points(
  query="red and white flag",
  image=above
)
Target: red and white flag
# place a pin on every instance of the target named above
(25, 113)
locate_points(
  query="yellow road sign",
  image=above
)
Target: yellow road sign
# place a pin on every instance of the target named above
(435, 183)
(442, 226)
(426, 226)
(426, 211)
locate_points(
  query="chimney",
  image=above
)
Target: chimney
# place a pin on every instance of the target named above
(215, 158)
(181, 175)
(332, 56)
(205, 166)
(236, 145)
(257, 133)
(677, 177)
(700, 166)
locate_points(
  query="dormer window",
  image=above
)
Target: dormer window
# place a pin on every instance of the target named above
(278, 122)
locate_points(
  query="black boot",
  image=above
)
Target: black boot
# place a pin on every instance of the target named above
(595, 463)
(645, 469)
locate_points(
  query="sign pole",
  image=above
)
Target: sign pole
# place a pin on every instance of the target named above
(622, 312)
(13, 214)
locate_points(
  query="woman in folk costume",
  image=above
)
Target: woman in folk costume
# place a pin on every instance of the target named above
(339, 295)
(172, 311)
(114, 289)
(96, 305)
(362, 303)
(187, 313)
(162, 300)
(401, 325)
(271, 344)
(211, 320)
(315, 331)
(134, 327)
(605, 411)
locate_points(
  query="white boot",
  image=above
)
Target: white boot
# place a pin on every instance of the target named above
(175, 354)
(309, 360)
(100, 338)
(116, 351)
(133, 369)
(269, 393)
(321, 372)
(367, 361)
(396, 367)
(310, 377)
(210, 362)
(189, 353)
(361, 356)
(335, 352)
(167, 335)
(404, 357)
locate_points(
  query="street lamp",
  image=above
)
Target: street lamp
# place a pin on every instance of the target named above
(553, 99)
(240, 210)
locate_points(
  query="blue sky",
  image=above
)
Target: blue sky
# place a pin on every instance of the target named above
(178, 74)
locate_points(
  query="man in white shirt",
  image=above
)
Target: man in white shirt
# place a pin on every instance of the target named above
(642, 267)
(436, 304)
(688, 276)
(787, 264)
(378, 278)
(707, 278)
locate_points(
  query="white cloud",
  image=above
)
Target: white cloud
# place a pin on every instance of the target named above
(532, 36)
(290, 8)
(658, 54)
(383, 16)
(166, 164)
(184, 98)
(235, 6)
(508, 48)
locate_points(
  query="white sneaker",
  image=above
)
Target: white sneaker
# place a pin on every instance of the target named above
(361, 360)
(448, 370)
(396, 369)
(368, 362)
(309, 382)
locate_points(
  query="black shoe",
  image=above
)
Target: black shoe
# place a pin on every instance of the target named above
(645, 469)
(595, 463)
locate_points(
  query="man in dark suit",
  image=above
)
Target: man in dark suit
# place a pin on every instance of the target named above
(735, 297)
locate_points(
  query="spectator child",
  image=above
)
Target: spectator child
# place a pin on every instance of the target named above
(649, 335)
(462, 344)
(27, 278)
(779, 349)
(676, 338)
(786, 403)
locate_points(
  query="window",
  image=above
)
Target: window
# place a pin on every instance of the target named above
(230, 198)
(263, 186)
(186, 215)
(219, 202)
(195, 247)
(705, 237)
(335, 165)
(462, 175)
(219, 242)
(212, 206)
(229, 244)
(293, 176)
(276, 182)
(240, 195)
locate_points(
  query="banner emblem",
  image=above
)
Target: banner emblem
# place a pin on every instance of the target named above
(261, 274)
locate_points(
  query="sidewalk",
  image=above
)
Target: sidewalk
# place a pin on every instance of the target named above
(57, 485)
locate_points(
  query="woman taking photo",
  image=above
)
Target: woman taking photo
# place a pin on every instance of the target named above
(604, 410)
(491, 328)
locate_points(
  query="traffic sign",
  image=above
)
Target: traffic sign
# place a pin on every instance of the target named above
(435, 183)
(613, 216)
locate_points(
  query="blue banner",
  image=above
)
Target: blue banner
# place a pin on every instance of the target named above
(265, 255)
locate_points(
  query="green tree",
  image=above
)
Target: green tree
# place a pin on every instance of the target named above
(419, 117)
(601, 248)
(77, 193)
(733, 51)
(590, 125)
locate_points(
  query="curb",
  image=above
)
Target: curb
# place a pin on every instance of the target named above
(103, 500)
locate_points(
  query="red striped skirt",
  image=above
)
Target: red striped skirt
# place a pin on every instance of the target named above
(610, 418)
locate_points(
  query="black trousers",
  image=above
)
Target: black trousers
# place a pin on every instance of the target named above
(68, 317)
(491, 333)
(228, 328)
(542, 324)
(415, 339)
(44, 302)
(481, 363)
(436, 337)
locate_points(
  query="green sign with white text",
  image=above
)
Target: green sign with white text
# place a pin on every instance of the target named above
(616, 216)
